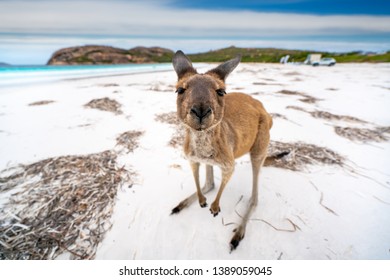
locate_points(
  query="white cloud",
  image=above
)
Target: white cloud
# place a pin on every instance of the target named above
(154, 18)
(33, 30)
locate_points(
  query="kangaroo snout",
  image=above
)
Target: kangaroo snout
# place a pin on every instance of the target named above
(200, 112)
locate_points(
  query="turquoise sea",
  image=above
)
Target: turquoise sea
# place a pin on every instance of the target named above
(25, 75)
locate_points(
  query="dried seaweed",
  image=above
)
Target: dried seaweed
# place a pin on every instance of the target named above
(109, 85)
(363, 134)
(306, 98)
(283, 117)
(177, 139)
(292, 73)
(328, 116)
(290, 92)
(266, 84)
(298, 108)
(296, 156)
(294, 229)
(129, 140)
(105, 104)
(278, 116)
(161, 87)
(59, 204)
(309, 99)
(171, 118)
(331, 117)
(39, 103)
(383, 129)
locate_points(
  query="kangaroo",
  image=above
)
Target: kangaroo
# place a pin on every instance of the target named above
(219, 127)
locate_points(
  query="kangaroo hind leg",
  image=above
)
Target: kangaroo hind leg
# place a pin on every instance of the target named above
(258, 155)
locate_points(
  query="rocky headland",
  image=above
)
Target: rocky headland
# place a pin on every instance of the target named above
(94, 54)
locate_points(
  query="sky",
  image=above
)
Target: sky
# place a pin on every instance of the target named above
(31, 30)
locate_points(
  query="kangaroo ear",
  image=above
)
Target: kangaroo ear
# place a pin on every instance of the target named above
(223, 70)
(182, 64)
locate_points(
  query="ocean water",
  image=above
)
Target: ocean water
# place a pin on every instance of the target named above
(26, 75)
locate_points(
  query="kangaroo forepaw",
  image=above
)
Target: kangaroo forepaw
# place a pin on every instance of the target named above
(215, 209)
(237, 237)
(202, 201)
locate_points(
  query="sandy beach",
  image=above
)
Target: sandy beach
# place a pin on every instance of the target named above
(329, 198)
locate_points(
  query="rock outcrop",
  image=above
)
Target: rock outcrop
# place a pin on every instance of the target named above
(109, 55)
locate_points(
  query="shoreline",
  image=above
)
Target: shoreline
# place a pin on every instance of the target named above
(41, 75)
(55, 79)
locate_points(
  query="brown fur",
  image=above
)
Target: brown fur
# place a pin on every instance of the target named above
(219, 129)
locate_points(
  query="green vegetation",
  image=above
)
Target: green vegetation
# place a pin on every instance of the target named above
(274, 55)
(358, 57)
(248, 55)
(83, 60)
(153, 54)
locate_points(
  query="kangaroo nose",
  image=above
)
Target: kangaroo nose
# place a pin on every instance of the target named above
(200, 112)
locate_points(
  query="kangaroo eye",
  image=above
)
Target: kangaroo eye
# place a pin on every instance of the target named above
(221, 92)
(180, 90)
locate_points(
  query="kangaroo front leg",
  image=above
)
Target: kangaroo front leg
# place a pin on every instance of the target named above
(207, 187)
(195, 172)
(226, 175)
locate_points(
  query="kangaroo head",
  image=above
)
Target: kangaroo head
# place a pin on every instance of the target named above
(200, 97)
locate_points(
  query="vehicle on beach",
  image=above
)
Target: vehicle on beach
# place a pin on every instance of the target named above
(316, 60)
(327, 61)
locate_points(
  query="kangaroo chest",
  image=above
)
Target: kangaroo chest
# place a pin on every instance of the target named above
(202, 148)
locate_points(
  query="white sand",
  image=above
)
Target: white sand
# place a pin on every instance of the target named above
(340, 215)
